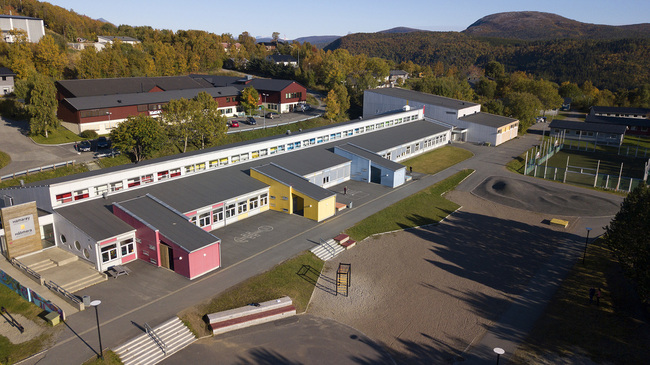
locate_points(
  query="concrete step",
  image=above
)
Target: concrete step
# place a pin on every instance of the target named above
(85, 282)
(42, 265)
(327, 250)
(144, 350)
(65, 260)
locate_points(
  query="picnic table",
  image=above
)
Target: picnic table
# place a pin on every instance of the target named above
(117, 270)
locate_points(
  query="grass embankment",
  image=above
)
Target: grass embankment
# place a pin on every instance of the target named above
(110, 358)
(286, 279)
(426, 207)
(617, 331)
(438, 159)
(4, 159)
(15, 304)
(58, 136)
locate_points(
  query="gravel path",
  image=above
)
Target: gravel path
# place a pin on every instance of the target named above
(13, 334)
(454, 279)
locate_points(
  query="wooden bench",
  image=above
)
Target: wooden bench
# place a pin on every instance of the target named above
(222, 322)
(559, 222)
(118, 270)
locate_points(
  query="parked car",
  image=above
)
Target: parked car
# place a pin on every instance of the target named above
(234, 124)
(270, 115)
(251, 121)
(84, 146)
(102, 142)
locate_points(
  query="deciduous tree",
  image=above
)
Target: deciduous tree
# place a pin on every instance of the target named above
(249, 98)
(40, 98)
(140, 136)
(333, 107)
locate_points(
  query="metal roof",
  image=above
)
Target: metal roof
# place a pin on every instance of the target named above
(590, 127)
(487, 119)
(620, 110)
(4, 71)
(18, 17)
(633, 122)
(117, 100)
(384, 139)
(171, 224)
(129, 85)
(423, 97)
(297, 182)
(96, 219)
(309, 160)
(371, 156)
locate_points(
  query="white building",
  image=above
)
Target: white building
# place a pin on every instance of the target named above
(468, 122)
(33, 27)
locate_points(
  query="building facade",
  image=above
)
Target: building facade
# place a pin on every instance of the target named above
(33, 28)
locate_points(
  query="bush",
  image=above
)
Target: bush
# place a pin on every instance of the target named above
(88, 134)
(12, 109)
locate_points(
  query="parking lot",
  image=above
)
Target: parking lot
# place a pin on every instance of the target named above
(278, 120)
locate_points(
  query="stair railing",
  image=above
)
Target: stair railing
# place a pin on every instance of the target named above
(154, 336)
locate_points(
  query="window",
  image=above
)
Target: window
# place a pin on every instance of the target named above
(126, 247)
(223, 161)
(326, 179)
(255, 154)
(193, 219)
(204, 219)
(118, 185)
(230, 210)
(234, 159)
(93, 113)
(63, 239)
(143, 108)
(147, 179)
(189, 168)
(162, 175)
(109, 252)
(214, 163)
(244, 157)
(101, 189)
(133, 182)
(64, 198)
(77, 245)
(242, 207)
(254, 203)
(264, 200)
(217, 215)
(273, 150)
(175, 172)
(81, 194)
(200, 166)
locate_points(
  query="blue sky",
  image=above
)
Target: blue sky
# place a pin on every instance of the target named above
(341, 17)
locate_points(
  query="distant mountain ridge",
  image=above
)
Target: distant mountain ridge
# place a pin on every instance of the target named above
(401, 30)
(535, 25)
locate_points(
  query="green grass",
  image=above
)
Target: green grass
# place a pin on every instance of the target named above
(4, 159)
(50, 174)
(58, 136)
(282, 280)
(438, 159)
(426, 207)
(15, 304)
(110, 358)
(612, 332)
(609, 163)
(642, 142)
(118, 160)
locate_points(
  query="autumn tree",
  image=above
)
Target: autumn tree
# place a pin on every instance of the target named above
(140, 136)
(333, 107)
(523, 106)
(249, 98)
(178, 115)
(48, 57)
(626, 237)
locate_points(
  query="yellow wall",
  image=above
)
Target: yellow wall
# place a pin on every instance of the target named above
(277, 190)
(319, 210)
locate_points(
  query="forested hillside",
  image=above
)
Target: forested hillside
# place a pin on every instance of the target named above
(610, 64)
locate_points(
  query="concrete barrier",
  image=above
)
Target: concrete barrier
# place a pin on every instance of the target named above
(222, 322)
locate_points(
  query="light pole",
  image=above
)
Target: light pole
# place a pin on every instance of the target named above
(586, 242)
(263, 113)
(499, 351)
(96, 303)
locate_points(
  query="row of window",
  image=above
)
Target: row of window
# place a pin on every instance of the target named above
(293, 95)
(229, 210)
(505, 129)
(589, 134)
(161, 175)
(93, 113)
(110, 252)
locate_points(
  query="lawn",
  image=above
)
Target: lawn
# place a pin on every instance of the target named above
(58, 136)
(285, 279)
(15, 304)
(426, 207)
(617, 331)
(438, 159)
(4, 159)
(44, 175)
(609, 163)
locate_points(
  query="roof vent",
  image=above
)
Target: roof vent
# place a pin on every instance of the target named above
(119, 100)
(406, 108)
(104, 195)
(288, 131)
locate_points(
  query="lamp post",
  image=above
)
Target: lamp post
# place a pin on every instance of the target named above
(263, 113)
(96, 303)
(499, 351)
(586, 242)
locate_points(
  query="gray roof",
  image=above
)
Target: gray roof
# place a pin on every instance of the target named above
(309, 160)
(620, 110)
(117, 100)
(18, 17)
(589, 127)
(129, 85)
(423, 97)
(121, 38)
(487, 119)
(632, 122)
(241, 83)
(4, 71)
(217, 80)
(297, 182)
(96, 219)
(371, 156)
(384, 139)
(398, 72)
(171, 224)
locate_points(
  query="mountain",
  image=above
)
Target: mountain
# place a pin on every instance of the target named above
(319, 41)
(401, 30)
(534, 25)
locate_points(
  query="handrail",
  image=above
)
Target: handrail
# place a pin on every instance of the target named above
(59, 289)
(155, 338)
(327, 247)
(26, 269)
(36, 169)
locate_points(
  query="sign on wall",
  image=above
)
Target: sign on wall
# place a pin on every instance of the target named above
(22, 227)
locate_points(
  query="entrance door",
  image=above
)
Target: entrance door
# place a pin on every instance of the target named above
(166, 256)
(375, 175)
(298, 205)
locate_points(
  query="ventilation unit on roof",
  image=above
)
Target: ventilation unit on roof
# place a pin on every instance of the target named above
(406, 108)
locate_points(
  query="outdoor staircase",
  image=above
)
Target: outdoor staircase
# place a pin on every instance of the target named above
(327, 250)
(144, 350)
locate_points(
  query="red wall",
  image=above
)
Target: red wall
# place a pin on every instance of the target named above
(145, 237)
(201, 264)
(294, 88)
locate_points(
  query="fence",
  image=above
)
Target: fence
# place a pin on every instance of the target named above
(36, 169)
(622, 150)
(541, 154)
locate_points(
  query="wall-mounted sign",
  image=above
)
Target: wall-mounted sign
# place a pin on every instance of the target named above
(22, 227)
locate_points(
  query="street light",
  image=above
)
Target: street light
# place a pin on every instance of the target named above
(499, 351)
(263, 113)
(586, 242)
(96, 303)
